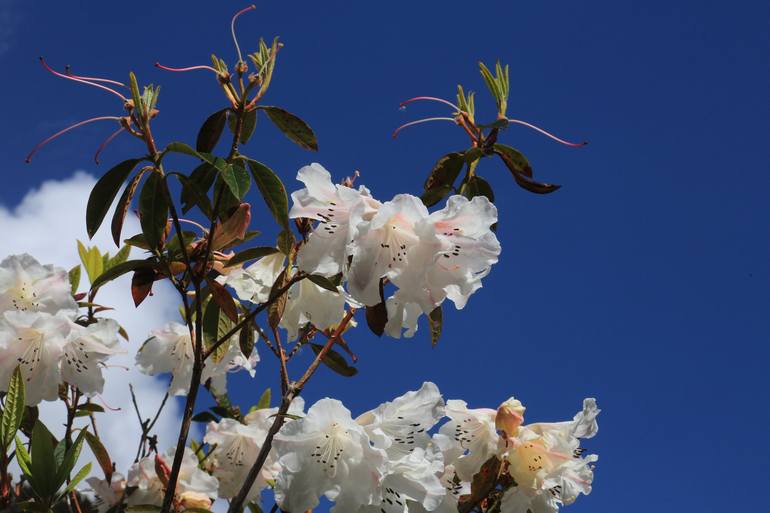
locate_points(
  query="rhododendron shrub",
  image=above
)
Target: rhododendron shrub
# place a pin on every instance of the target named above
(345, 259)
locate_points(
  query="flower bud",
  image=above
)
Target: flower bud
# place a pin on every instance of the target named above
(198, 500)
(510, 415)
(162, 470)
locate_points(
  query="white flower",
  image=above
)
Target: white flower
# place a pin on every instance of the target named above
(27, 286)
(237, 447)
(170, 349)
(107, 494)
(84, 354)
(402, 316)
(400, 427)
(454, 489)
(468, 439)
(545, 460)
(380, 246)
(402, 424)
(456, 250)
(253, 283)
(327, 453)
(33, 341)
(331, 205)
(193, 484)
(306, 302)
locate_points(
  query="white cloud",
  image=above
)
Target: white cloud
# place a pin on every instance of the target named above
(46, 225)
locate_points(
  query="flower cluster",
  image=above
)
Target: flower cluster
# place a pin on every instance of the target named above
(170, 350)
(389, 459)
(41, 333)
(428, 257)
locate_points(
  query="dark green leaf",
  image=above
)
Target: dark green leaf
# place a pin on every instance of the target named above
(121, 269)
(335, 361)
(70, 458)
(43, 465)
(273, 192)
(484, 481)
(123, 205)
(101, 454)
(104, 192)
(445, 171)
(436, 322)
(91, 408)
(292, 127)
(237, 179)
(137, 241)
(153, 210)
(246, 340)
(264, 400)
(323, 282)
(74, 277)
(210, 131)
(477, 186)
(250, 254)
(249, 123)
(215, 325)
(513, 159)
(196, 186)
(204, 416)
(13, 413)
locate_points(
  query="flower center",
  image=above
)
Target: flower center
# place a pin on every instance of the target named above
(23, 297)
(328, 452)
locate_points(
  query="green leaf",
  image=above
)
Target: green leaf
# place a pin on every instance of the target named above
(477, 186)
(82, 473)
(70, 458)
(100, 453)
(91, 408)
(13, 412)
(196, 186)
(120, 257)
(138, 105)
(436, 322)
(237, 179)
(513, 159)
(186, 149)
(442, 178)
(335, 361)
(22, 456)
(142, 508)
(250, 254)
(123, 205)
(74, 277)
(323, 282)
(254, 507)
(204, 416)
(153, 210)
(264, 400)
(215, 325)
(246, 340)
(121, 269)
(249, 124)
(91, 259)
(43, 464)
(292, 127)
(104, 192)
(211, 131)
(519, 167)
(285, 242)
(273, 192)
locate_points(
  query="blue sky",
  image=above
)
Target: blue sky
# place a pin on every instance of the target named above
(643, 282)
